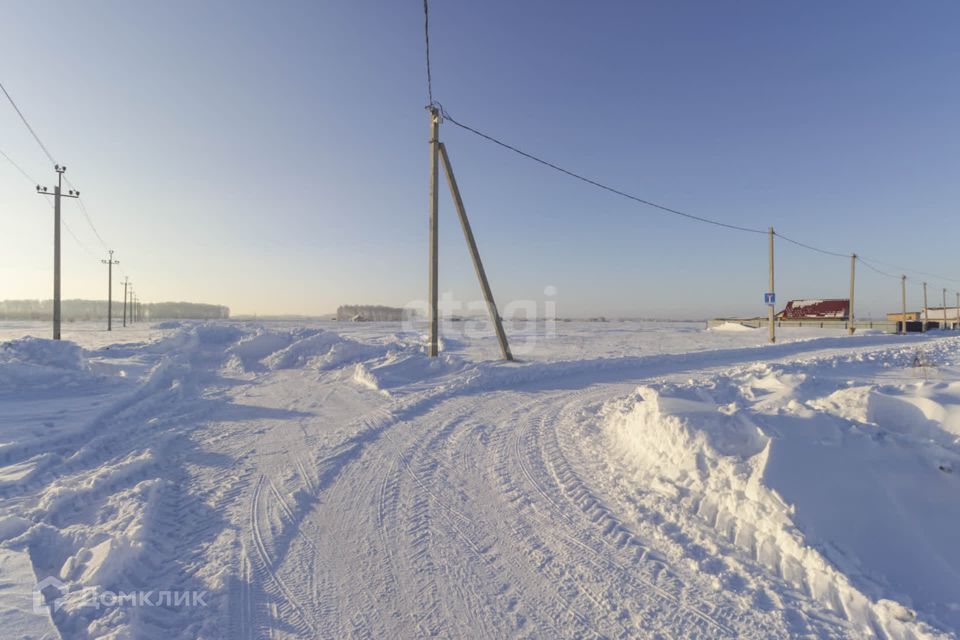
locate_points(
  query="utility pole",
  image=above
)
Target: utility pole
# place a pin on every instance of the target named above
(57, 193)
(110, 262)
(958, 310)
(132, 297)
(434, 235)
(903, 300)
(438, 151)
(926, 309)
(853, 276)
(770, 310)
(944, 308)
(475, 254)
(126, 281)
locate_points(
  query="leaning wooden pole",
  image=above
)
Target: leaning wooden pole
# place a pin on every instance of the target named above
(475, 254)
(434, 239)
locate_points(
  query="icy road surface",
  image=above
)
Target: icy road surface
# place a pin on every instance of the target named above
(624, 480)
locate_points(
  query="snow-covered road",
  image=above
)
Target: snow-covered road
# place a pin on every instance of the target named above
(323, 484)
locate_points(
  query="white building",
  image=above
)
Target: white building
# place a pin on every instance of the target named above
(945, 316)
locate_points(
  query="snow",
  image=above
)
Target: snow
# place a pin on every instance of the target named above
(17, 616)
(732, 326)
(618, 480)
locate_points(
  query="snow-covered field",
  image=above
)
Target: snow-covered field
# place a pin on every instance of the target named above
(244, 480)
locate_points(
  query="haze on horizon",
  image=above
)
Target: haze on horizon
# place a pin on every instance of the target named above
(273, 157)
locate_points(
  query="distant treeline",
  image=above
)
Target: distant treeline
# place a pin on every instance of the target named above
(370, 313)
(74, 310)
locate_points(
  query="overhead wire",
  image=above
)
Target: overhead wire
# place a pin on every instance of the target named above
(76, 239)
(426, 34)
(877, 270)
(598, 184)
(46, 151)
(446, 116)
(916, 271)
(63, 221)
(86, 214)
(811, 247)
(18, 167)
(29, 128)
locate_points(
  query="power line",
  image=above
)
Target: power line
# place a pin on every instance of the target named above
(29, 128)
(811, 247)
(76, 239)
(18, 168)
(599, 184)
(426, 34)
(63, 222)
(922, 273)
(83, 207)
(873, 268)
(426, 30)
(697, 218)
(86, 214)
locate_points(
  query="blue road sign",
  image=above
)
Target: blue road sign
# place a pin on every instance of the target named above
(770, 298)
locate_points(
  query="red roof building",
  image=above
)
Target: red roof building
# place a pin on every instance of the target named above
(838, 309)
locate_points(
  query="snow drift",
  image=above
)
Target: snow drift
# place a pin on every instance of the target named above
(843, 490)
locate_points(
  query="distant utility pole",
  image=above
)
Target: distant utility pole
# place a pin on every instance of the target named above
(926, 309)
(903, 300)
(110, 262)
(958, 310)
(770, 310)
(853, 276)
(126, 281)
(944, 308)
(132, 296)
(57, 193)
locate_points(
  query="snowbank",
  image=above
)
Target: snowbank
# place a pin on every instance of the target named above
(731, 326)
(35, 365)
(844, 490)
(59, 354)
(405, 369)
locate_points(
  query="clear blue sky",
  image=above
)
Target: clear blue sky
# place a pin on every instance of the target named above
(273, 156)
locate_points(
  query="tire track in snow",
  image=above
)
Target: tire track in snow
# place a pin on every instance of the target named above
(458, 521)
(809, 614)
(245, 614)
(266, 562)
(609, 576)
(387, 499)
(602, 519)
